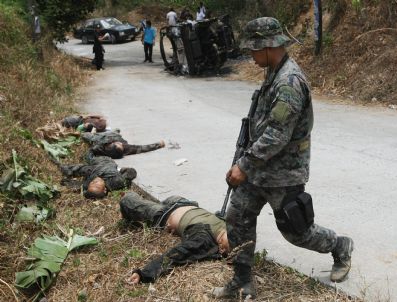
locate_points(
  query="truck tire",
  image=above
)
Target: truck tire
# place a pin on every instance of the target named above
(169, 63)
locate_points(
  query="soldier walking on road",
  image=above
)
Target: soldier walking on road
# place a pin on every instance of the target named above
(275, 165)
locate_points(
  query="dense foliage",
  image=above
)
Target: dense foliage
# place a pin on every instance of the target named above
(61, 15)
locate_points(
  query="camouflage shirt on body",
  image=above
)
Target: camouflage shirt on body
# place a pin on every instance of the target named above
(279, 152)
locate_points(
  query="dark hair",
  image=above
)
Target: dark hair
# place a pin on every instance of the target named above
(92, 195)
(128, 173)
(89, 127)
(112, 151)
(148, 23)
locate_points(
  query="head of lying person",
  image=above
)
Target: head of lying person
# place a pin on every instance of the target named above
(223, 242)
(128, 173)
(96, 189)
(88, 127)
(114, 150)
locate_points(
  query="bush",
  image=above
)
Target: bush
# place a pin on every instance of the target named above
(61, 15)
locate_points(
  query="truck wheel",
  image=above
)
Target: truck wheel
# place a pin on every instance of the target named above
(170, 58)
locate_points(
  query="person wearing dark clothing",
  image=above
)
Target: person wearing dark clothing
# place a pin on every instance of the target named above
(98, 49)
(148, 41)
(101, 175)
(85, 123)
(203, 234)
(112, 144)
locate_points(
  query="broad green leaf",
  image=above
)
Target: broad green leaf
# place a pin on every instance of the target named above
(33, 213)
(78, 241)
(68, 141)
(26, 279)
(55, 150)
(50, 253)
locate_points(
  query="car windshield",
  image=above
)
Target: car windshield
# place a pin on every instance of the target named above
(109, 22)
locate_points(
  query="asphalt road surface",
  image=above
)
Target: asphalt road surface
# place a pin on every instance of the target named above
(353, 168)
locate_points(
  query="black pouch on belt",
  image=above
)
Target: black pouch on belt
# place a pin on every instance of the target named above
(296, 216)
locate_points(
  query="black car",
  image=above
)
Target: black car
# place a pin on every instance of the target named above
(117, 30)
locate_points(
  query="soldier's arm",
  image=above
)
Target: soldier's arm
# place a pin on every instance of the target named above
(136, 149)
(285, 113)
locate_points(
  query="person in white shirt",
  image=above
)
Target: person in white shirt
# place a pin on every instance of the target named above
(171, 17)
(200, 15)
(202, 9)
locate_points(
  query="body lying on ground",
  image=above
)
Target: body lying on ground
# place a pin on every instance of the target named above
(203, 234)
(85, 123)
(100, 175)
(112, 144)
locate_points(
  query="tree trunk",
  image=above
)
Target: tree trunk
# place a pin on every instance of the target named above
(318, 26)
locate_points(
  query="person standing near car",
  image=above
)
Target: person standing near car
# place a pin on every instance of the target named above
(171, 17)
(98, 49)
(148, 41)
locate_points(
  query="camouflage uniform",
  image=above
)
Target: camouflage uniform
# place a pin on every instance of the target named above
(277, 160)
(103, 167)
(99, 141)
(197, 242)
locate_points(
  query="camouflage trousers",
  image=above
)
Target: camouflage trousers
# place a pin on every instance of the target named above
(135, 208)
(246, 204)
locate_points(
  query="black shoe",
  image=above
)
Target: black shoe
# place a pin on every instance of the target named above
(145, 61)
(151, 61)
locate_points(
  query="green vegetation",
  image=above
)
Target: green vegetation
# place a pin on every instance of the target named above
(61, 15)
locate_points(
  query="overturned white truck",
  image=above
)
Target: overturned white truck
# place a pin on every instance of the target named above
(191, 48)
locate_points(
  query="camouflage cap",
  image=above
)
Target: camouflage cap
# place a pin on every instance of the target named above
(263, 32)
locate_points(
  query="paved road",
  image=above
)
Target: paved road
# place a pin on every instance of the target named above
(353, 168)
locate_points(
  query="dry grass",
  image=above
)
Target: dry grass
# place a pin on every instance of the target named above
(36, 90)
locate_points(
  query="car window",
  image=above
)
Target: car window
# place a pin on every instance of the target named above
(89, 24)
(105, 24)
(113, 21)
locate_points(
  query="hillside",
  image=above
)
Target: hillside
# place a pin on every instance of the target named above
(359, 52)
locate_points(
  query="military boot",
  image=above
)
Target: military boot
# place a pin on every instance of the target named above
(234, 290)
(342, 258)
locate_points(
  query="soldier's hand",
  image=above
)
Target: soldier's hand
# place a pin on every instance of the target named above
(134, 279)
(235, 177)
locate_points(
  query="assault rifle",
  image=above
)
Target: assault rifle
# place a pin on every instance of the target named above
(242, 143)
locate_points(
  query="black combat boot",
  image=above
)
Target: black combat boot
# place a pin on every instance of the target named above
(342, 259)
(241, 286)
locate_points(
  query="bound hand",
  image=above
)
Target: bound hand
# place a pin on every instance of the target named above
(134, 279)
(235, 177)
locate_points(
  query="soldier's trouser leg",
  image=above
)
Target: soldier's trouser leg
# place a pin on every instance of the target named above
(136, 209)
(316, 238)
(245, 205)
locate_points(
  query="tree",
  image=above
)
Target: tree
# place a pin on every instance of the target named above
(318, 26)
(61, 15)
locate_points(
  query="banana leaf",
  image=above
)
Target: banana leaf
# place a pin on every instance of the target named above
(47, 254)
(61, 148)
(68, 141)
(15, 180)
(33, 213)
(55, 150)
